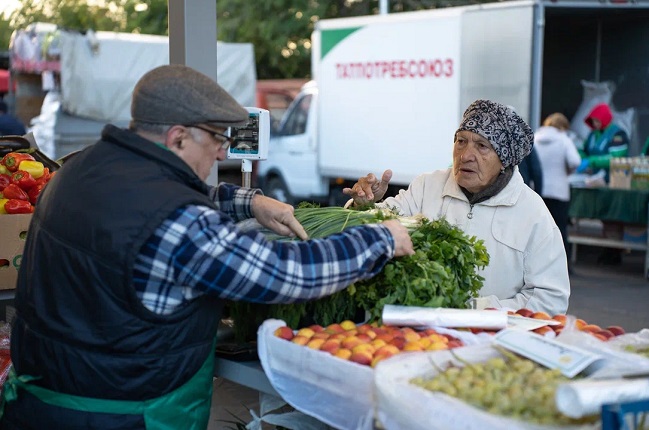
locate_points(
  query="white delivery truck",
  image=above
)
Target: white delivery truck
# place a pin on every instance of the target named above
(390, 90)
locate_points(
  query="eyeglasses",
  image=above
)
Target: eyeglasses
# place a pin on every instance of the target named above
(224, 140)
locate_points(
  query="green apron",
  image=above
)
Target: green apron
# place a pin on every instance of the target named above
(187, 407)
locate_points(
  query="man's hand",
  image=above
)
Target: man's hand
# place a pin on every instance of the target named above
(402, 242)
(369, 189)
(277, 216)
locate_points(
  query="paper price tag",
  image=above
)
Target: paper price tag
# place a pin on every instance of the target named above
(529, 324)
(570, 360)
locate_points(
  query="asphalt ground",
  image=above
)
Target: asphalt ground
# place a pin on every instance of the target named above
(610, 295)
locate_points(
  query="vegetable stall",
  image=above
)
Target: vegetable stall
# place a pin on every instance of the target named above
(350, 363)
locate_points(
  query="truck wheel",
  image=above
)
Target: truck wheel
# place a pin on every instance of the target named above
(278, 190)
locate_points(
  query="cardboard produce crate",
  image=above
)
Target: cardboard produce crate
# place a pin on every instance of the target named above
(12, 242)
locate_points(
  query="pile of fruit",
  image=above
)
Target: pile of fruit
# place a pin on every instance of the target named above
(367, 344)
(22, 179)
(511, 386)
(599, 332)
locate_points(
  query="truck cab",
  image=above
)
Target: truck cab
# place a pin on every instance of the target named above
(290, 174)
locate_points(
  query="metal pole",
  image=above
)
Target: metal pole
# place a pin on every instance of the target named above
(192, 42)
(384, 7)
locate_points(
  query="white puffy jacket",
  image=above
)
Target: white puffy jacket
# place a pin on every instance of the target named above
(528, 266)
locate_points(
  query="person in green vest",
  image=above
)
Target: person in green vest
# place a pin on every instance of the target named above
(605, 141)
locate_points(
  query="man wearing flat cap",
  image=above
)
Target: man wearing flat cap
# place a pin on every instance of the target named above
(130, 256)
(484, 195)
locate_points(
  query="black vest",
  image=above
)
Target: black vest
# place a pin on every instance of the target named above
(80, 326)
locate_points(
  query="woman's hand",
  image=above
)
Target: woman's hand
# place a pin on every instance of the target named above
(369, 189)
(277, 216)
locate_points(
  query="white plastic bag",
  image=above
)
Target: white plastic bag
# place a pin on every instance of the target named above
(334, 391)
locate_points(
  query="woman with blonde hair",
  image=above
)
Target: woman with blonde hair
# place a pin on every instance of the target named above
(559, 158)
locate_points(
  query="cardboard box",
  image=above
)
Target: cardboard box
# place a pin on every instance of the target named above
(13, 231)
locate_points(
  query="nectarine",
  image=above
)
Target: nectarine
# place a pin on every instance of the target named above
(285, 332)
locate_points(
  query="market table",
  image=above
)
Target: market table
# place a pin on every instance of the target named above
(629, 207)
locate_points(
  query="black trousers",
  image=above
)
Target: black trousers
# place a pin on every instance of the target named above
(559, 211)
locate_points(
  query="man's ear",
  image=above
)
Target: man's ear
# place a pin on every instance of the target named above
(175, 136)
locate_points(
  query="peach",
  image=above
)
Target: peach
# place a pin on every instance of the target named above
(364, 347)
(411, 336)
(580, 324)
(330, 345)
(306, 332)
(285, 332)
(362, 357)
(350, 342)
(377, 343)
(599, 336)
(440, 338)
(436, 346)
(364, 328)
(606, 333)
(541, 316)
(561, 318)
(594, 328)
(343, 353)
(348, 325)
(300, 340)
(386, 337)
(321, 335)
(615, 329)
(542, 330)
(364, 337)
(316, 328)
(387, 350)
(334, 328)
(455, 343)
(315, 343)
(399, 342)
(376, 359)
(413, 346)
(524, 312)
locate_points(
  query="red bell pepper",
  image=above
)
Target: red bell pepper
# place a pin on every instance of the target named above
(15, 206)
(4, 181)
(12, 160)
(44, 177)
(34, 192)
(23, 179)
(13, 191)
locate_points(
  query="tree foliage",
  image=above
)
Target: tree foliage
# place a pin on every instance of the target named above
(280, 30)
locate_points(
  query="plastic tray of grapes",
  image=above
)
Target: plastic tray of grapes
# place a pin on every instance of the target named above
(471, 388)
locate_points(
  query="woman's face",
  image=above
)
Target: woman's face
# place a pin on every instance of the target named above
(475, 162)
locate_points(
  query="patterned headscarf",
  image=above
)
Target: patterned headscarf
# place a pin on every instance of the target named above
(507, 132)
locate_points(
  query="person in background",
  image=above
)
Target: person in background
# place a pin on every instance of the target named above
(531, 169)
(9, 124)
(560, 158)
(484, 194)
(130, 256)
(605, 141)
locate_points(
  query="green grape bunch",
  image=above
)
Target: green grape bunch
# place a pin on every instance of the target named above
(510, 386)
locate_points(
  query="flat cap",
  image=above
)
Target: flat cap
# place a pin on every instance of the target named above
(177, 94)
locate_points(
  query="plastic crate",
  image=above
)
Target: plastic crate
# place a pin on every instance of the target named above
(619, 416)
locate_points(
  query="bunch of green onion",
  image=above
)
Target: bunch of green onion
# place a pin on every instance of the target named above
(321, 222)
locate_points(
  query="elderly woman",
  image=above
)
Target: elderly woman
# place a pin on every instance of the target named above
(484, 195)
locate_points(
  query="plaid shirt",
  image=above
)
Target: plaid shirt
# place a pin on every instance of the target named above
(198, 250)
